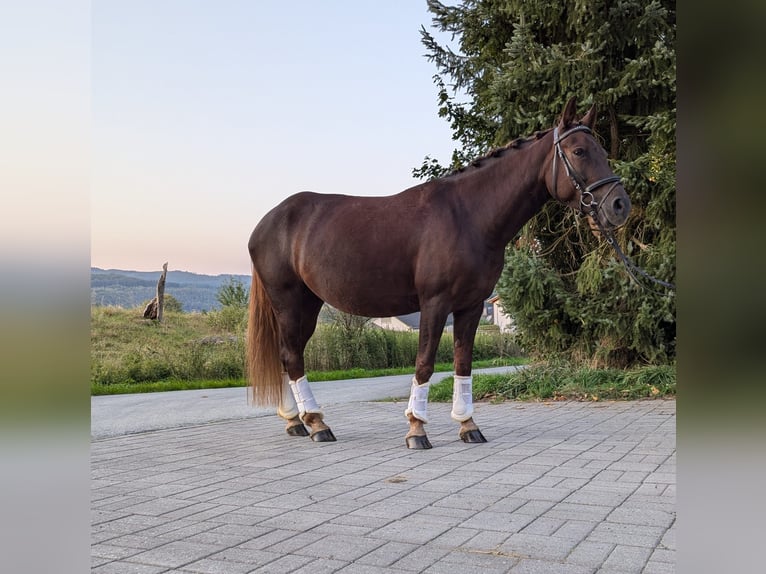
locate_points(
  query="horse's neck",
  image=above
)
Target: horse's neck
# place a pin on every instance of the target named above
(508, 191)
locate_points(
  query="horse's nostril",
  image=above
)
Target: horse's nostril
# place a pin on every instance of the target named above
(618, 206)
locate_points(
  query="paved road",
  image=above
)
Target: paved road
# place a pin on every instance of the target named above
(561, 488)
(115, 415)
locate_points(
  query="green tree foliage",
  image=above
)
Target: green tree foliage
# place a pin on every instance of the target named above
(172, 304)
(232, 316)
(507, 71)
(233, 293)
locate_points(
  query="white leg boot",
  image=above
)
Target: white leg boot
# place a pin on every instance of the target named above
(462, 398)
(418, 403)
(288, 408)
(304, 397)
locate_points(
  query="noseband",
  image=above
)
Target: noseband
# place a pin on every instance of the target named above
(588, 204)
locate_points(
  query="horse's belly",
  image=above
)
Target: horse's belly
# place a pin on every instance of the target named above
(366, 308)
(361, 290)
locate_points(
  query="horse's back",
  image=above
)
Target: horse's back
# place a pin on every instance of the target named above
(329, 221)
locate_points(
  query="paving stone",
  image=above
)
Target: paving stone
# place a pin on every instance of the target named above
(528, 566)
(560, 488)
(629, 559)
(653, 567)
(321, 566)
(627, 534)
(537, 546)
(421, 558)
(387, 553)
(591, 554)
(465, 562)
(339, 547)
(174, 554)
(212, 566)
(283, 564)
(128, 568)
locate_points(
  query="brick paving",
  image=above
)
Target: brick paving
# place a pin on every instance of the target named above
(560, 488)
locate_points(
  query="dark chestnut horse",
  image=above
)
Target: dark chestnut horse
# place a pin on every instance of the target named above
(435, 248)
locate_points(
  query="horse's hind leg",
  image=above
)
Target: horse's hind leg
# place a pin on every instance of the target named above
(288, 409)
(297, 316)
(464, 333)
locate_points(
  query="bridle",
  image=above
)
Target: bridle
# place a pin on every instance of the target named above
(588, 204)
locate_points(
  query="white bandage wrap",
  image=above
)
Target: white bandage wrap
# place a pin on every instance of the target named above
(304, 397)
(418, 403)
(462, 398)
(288, 408)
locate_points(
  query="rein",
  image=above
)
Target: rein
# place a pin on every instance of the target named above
(630, 267)
(589, 206)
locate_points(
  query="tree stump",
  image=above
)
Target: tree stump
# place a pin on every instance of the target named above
(153, 309)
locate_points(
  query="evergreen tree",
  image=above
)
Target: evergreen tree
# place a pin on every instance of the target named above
(508, 70)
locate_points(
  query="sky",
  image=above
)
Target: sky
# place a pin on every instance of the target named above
(205, 115)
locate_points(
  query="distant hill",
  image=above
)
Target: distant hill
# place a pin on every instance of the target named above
(130, 289)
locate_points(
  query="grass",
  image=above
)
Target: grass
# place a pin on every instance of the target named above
(564, 382)
(162, 386)
(130, 354)
(439, 368)
(313, 376)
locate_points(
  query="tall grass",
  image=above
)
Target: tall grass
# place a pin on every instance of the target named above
(333, 349)
(127, 350)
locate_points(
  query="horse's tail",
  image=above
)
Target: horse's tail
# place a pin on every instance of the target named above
(264, 366)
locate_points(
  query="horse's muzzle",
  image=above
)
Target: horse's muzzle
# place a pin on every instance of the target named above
(615, 210)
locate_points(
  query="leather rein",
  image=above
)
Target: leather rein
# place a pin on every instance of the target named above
(588, 204)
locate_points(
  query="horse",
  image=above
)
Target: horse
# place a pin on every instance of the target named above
(437, 247)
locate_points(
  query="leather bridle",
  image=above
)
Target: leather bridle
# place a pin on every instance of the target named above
(588, 204)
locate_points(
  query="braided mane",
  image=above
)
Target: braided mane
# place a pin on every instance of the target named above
(499, 152)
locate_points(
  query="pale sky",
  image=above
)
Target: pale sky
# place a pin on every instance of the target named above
(206, 114)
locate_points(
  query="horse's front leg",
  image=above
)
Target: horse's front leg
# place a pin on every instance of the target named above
(464, 333)
(417, 415)
(432, 320)
(462, 409)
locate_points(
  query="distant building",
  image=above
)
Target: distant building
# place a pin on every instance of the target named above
(409, 322)
(499, 317)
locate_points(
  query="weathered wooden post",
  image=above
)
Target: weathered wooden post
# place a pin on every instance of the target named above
(154, 308)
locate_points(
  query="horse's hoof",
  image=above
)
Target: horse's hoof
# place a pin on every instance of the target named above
(323, 436)
(472, 436)
(297, 430)
(418, 442)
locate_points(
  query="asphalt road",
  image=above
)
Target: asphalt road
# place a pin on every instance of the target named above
(117, 415)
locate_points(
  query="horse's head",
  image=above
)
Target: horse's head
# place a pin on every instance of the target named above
(580, 176)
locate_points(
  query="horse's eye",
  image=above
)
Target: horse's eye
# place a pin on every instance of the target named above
(579, 152)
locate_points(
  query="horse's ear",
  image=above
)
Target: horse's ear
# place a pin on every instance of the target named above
(570, 110)
(589, 119)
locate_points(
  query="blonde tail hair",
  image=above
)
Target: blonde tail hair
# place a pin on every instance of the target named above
(264, 366)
